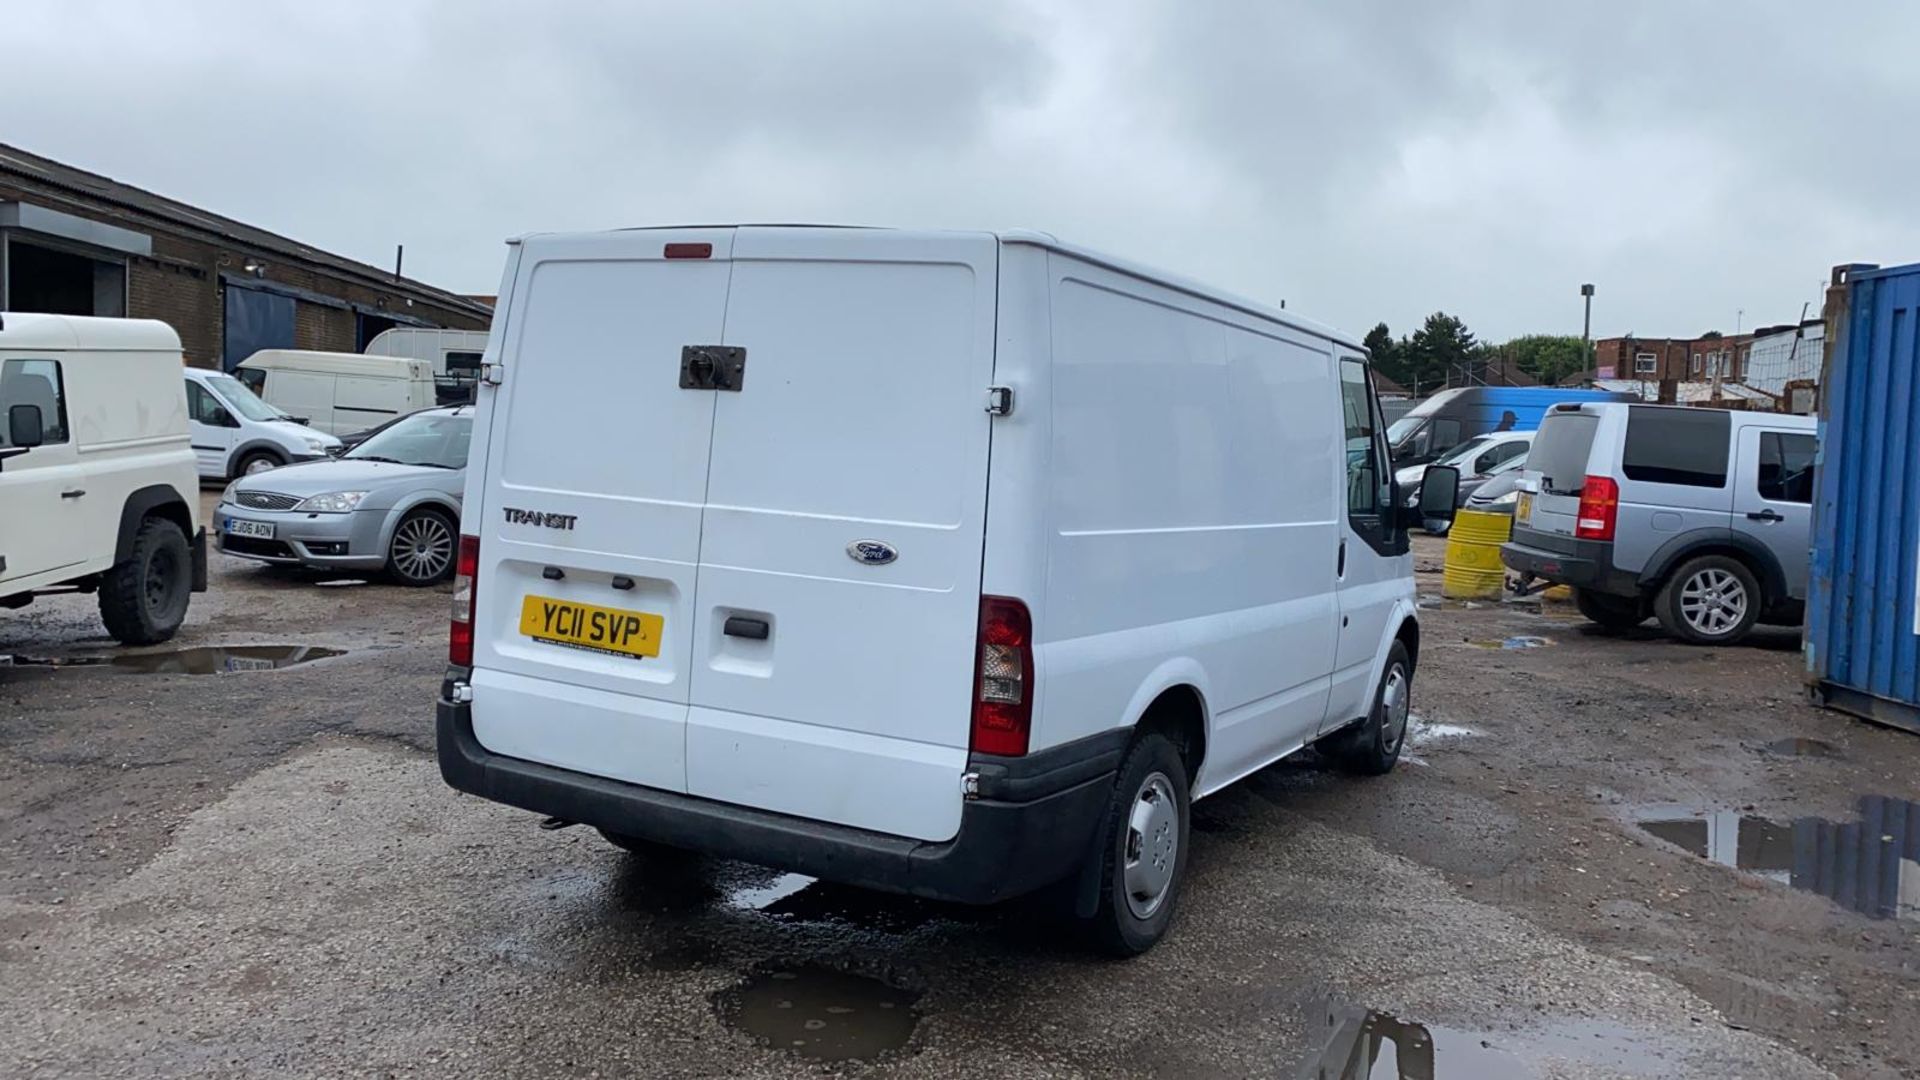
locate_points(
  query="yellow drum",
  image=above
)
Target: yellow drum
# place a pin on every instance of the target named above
(1473, 570)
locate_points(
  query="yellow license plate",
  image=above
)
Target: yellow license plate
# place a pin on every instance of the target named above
(1523, 508)
(588, 626)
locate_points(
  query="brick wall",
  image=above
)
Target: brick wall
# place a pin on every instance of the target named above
(1673, 357)
(180, 283)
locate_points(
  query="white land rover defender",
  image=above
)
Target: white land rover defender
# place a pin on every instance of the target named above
(98, 487)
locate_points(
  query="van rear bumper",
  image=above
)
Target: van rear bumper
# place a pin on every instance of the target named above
(1566, 560)
(1033, 825)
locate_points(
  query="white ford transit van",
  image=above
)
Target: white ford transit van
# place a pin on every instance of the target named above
(339, 393)
(955, 564)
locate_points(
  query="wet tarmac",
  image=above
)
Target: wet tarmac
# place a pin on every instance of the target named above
(1870, 865)
(1802, 747)
(198, 660)
(1370, 1045)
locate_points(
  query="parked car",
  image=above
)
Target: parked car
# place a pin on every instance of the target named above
(1697, 517)
(390, 504)
(1477, 459)
(237, 434)
(876, 682)
(1448, 418)
(1499, 492)
(339, 392)
(98, 487)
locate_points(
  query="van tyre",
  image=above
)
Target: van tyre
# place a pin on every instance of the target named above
(1372, 746)
(1143, 849)
(1711, 600)
(421, 551)
(257, 461)
(144, 599)
(1611, 612)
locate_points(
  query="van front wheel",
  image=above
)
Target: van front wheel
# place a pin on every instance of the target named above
(1143, 849)
(1372, 746)
(257, 462)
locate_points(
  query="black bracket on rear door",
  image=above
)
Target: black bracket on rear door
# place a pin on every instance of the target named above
(712, 367)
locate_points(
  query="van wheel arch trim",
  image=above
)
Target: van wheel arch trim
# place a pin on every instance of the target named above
(142, 503)
(240, 453)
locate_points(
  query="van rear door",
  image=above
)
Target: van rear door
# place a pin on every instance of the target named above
(839, 581)
(1557, 466)
(590, 520)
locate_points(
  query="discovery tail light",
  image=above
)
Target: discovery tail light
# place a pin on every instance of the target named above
(1003, 698)
(1599, 509)
(460, 631)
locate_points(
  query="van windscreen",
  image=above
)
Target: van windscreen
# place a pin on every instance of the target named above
(1559, 452)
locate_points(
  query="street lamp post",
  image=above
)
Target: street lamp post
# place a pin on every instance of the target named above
(1586, 327)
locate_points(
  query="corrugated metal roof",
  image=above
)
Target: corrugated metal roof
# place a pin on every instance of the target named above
(91, 187)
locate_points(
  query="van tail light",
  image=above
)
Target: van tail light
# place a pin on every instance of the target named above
(1599, 509)
(1003, 697)
(460, 630)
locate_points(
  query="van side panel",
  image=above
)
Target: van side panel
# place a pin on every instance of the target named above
(861, 419)
(1192, 518)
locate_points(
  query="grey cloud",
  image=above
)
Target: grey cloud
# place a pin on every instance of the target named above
(1365, 160)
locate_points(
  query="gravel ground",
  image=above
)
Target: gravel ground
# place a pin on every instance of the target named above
(260, 873)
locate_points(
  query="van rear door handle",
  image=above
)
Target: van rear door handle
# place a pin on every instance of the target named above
(1769, 514)
(742, 627)
(74, 494)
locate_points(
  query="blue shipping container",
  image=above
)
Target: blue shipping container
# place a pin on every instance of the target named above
(1863, 613)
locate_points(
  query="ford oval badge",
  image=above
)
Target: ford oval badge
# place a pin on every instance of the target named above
(872, 552)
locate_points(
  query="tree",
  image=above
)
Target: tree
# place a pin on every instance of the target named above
(1443, 347)
(1548, 357)
(1385, 352)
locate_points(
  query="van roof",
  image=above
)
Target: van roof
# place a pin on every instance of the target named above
(1740, 416)
(1037, 238)
(336, 362)
(30, 330)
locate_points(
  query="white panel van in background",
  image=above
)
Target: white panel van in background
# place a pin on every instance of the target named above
(454, 354)
(339, 393)
(956, 564)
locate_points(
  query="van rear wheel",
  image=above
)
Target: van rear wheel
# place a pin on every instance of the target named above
(1143, 849)
(144, 599)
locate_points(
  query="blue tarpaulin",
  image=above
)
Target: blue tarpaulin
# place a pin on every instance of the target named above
(255, 320)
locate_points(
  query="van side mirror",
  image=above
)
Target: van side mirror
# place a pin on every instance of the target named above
(26, 427)
(1439, 492)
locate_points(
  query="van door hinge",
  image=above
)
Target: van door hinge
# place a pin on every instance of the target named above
(713, 367)
(999, 400)
(490, 373)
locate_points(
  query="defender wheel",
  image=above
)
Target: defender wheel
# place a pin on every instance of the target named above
(1711, 600)
(144, 599)
(1143, 849)
(1372, 746)
(258, 461)
(421, 551)
(1609, 611)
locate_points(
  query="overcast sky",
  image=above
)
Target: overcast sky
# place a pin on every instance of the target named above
(1365, 161)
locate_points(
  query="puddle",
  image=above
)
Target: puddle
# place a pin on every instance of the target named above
(202, 660)
(763, 895)
(1421, 731)
(1518, 641)
(821, 1014)
(1870, 865)
(1360, 1045)
(1802, 748)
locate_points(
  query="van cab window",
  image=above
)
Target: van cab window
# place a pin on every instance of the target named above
(1677, 446)
(1363, 466)
(243, 400)
(34, 382)
(1786, 467)
(204, 408)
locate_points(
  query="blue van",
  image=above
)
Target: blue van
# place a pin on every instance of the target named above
(1451, 417)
